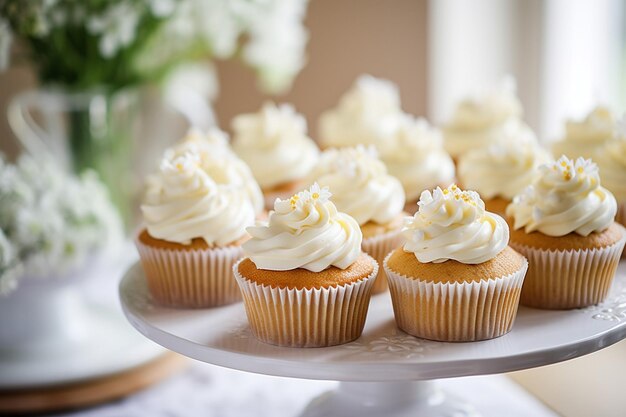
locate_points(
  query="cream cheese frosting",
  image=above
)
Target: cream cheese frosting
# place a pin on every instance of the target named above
(366, 114)
(361, 185)
(183, 202)
(612, 162)
(502, 169)
(584, 137)
(274, 143)
(415, 155)
(478, 121)
(305, 231)
(452, 224)
(220, 162)
(565, 197)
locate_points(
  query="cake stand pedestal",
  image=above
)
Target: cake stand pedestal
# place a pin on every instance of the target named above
(384, 372)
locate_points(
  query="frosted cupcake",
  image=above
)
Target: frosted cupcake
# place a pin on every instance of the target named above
(220, 162)
(366, 114)
(612, 162)
(564, 224)
(194, 228)
(415, 155)
(274, 143)
(364, 190)
(455, 279)
(305, 281)
(584, 137)
(502, 170)
(479, 121)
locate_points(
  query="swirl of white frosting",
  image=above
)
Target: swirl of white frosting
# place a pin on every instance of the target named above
(478, 121)
(415, 155)
(361, 185)
(307, 232)
(584, 137)
(503, 169)
(273, 142)
(366, 114)
(220, 162)
(183, 202)
(565, 197)
(612, 161)
(453, 224)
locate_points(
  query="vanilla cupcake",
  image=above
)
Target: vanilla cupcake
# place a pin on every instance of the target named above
(479, 121)
(564, 224)
(305, 281)
(611, 159)
(502, 170)
(455, 279)
(364, 190)
(415, 155)
(193, 232)
(584, 137)
(274, 143)
(367, 114)
(220, 162)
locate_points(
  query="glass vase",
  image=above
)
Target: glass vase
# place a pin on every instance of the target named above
(82, 130)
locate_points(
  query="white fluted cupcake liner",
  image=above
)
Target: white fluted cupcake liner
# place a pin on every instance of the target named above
(455, 311)
(197, 278)
(315, 317)
(378, 247)
(564, 279)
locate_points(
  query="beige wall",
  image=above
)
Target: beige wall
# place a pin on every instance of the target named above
(347, 38)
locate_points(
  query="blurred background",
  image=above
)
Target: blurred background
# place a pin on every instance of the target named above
(566, 55)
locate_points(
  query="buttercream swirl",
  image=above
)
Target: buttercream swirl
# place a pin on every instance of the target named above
(612, 162)
(305, 231)
(502, 169)
(220, 162)
(479, 121)
(584, 137)
(183, 202)
(415, 155)
(565, 197)
(366, 114)
(361, 185)
(273, 142)
(452, 224)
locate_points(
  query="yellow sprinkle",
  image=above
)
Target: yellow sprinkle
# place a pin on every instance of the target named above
(315, 195)
(567, 176)
(446, 191)
(580, 170)
(563, 163)
(179, 166)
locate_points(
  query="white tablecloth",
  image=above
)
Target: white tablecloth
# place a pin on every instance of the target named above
(209, 391)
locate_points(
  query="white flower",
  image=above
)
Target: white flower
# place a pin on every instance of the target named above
(116, 27)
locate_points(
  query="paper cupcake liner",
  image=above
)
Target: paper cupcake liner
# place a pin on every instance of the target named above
(315, 317)
(378, 247)
(568, 278)
(455, 311)
(191, 278)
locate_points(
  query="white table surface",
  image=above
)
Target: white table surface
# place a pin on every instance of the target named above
(207, 390)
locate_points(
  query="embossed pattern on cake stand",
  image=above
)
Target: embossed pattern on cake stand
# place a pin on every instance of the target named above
(375, 370)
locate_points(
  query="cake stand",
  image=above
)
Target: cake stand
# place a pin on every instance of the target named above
(384, 372)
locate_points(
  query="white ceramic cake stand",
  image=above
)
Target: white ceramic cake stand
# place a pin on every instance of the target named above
(385, 372)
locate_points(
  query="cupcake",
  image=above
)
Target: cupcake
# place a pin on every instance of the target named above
(502, 170)
(367, 114)
(305, 281)
(274, 143)
(415, 155)
(611, 158)
(364, 190)
(564, 224)
(220, 162)
(479, 121)
(194, 228)
(584, 137)
(455, 279)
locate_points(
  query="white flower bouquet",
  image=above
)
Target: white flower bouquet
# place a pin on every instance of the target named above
(51, 221)
(118, 43)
